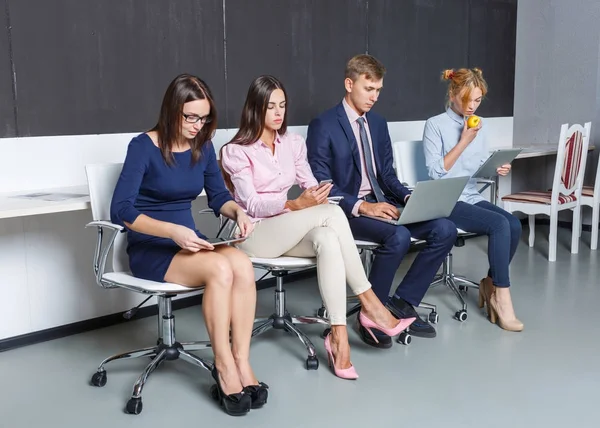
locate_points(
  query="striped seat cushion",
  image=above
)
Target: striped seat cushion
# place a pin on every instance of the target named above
(587, 191)
(538, 197)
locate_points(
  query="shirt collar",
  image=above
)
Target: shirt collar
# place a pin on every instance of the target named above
(260, 143)
(352, 115)
(455, 117)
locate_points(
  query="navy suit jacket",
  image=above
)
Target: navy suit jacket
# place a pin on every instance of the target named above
(333, 153)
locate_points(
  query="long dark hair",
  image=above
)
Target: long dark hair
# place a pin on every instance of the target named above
(252, 123)
(184, 88)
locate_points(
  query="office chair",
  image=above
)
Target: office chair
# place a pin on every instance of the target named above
(409, 162)
(102, 179)
(279, 267)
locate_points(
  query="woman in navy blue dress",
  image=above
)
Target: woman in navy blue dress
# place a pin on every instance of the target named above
(165, 169)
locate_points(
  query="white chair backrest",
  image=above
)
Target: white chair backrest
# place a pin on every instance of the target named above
(102, 179)
(409, 162)
(597, 181)
(570, 161)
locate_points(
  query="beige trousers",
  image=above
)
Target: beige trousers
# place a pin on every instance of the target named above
(320, 231)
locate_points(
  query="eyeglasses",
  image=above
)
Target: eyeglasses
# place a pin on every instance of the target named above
(194, 118)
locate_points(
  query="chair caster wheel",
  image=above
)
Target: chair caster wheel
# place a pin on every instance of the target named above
(404, 338)
(312, 363)
(434, 317)
(99, 379)
(325, 333)
(463, 288)
(214, 392)
(322, 312)
(461, 315)
(134, 406)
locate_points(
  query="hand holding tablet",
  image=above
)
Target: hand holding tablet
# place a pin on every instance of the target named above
(497, 160)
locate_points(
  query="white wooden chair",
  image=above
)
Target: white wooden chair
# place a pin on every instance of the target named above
(590, 196)
(566, 188)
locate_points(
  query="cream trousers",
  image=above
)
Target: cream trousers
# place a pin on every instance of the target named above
(320, 231)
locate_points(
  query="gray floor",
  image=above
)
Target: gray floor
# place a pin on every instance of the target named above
(472, 375)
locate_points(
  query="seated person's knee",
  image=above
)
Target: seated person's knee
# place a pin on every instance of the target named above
(444, 230)
(515, 225)
(399, 240)
(221, 272)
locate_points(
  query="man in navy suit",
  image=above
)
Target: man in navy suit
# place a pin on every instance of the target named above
(352, 146)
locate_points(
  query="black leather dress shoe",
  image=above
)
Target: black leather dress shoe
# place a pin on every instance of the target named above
(400, 308)
(385, 341)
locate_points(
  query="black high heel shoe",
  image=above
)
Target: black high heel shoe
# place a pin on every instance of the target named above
(259, 394)
(237, 404)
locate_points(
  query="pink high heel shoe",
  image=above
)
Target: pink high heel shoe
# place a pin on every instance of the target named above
(368, 325)
(349, 373)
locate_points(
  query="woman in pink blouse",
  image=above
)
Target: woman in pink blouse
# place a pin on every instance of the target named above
(263, 161)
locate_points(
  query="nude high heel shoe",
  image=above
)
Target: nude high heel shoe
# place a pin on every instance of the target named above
(486, 289)
(509, 325)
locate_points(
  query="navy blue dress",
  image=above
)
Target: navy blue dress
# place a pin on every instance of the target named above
(149, 186)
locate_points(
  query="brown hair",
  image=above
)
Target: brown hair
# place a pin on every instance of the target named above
(364, 64)
(464, 79)
(252, 123)
(184, 88)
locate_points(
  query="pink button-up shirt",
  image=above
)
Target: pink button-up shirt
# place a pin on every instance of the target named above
(262, 178)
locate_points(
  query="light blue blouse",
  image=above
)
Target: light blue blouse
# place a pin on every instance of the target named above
(441, 134)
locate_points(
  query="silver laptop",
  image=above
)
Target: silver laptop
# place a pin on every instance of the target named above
(430, 199)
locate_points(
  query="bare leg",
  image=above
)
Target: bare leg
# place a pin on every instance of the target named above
(213, 270)
(340, 346)
(243, 305)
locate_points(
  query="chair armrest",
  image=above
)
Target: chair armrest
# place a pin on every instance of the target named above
(106, 224)
(103, 249)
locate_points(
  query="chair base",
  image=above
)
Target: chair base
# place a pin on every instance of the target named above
(458, 284)
(166, 349)
(282, 320)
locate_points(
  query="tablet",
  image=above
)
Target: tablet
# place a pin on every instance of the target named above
(219, 241)
(495, 161)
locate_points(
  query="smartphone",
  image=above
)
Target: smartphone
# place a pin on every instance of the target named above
(219, 241)
(322, 182)
(335, 198)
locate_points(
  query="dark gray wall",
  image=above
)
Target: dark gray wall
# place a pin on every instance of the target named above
(557, 70)
(87, 66)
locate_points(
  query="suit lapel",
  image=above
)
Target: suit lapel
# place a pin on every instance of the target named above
(343, 119)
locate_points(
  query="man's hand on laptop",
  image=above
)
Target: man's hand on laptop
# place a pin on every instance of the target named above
(379, 209)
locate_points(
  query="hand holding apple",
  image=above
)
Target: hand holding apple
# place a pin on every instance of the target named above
(473, 121)
(469, 134)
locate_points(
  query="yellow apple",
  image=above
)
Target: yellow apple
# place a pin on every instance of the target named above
(473, 121)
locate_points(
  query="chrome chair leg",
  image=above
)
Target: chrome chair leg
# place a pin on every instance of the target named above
(194, 360)
(291, 328)
(139, 384)
(195, 346)
(265, 326)
(298, 319)
(465, 282)
(143, 352)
